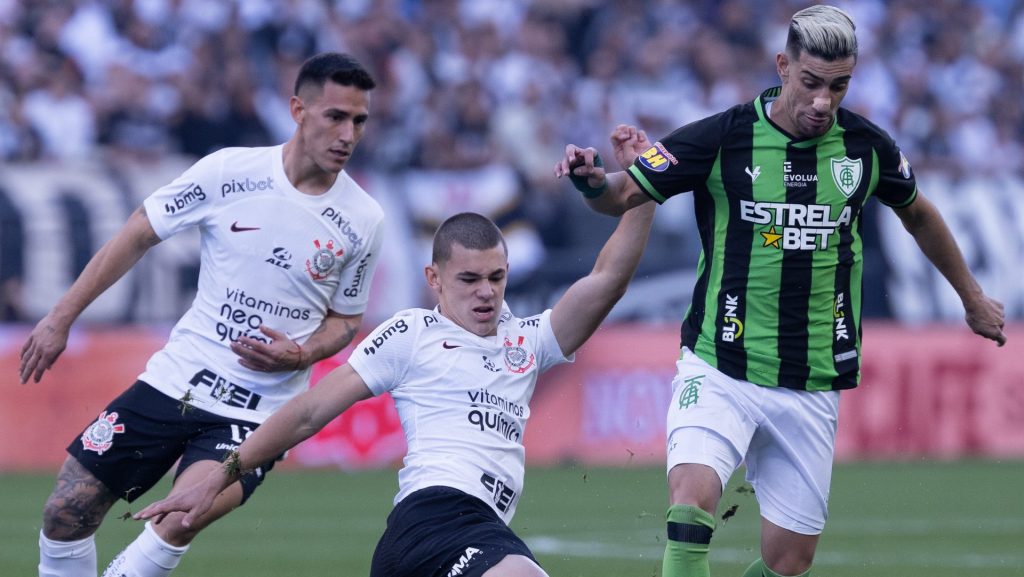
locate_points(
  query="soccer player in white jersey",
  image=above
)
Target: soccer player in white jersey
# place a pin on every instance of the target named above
(461, 376)
(289, 244)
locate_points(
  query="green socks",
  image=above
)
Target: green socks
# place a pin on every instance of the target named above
(758, 569)
(689, 539)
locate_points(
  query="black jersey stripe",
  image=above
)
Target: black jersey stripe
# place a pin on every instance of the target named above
(846, 334)
(737, 156)
(796, 277)
(690, 329)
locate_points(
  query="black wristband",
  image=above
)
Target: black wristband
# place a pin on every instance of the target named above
(581, 184)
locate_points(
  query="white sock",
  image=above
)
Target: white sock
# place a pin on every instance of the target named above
(67, 558)
(147, 556)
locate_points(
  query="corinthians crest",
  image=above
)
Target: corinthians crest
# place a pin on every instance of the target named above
(517, 359)
(319, 266)
(846, 173)
(100, 435)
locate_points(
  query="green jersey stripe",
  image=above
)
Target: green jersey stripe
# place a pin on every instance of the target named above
(645, 184)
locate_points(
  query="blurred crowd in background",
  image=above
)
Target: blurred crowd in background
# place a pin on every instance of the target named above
(470, 82)
(470, 85)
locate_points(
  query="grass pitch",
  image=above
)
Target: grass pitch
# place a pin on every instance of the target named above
(900, 519)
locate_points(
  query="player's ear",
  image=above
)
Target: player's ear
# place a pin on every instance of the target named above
(298, 109)
(433, 276)
(782, 66)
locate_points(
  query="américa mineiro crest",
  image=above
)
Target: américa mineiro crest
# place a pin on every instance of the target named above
(846, 172)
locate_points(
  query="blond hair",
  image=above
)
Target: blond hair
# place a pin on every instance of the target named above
(822, 31)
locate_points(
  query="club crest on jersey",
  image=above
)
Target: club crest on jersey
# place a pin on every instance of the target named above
(846, 173)
(100, 435)
(517, 359)
(320, 265)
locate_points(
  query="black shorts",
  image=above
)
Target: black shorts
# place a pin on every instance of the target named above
(439, 531)
(141, 433)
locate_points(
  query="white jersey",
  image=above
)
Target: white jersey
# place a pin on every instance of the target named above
(269, 255)
(463, 400)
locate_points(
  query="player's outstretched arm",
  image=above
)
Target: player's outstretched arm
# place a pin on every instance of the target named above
(49, 337)
(284, 354)
(588, 301)
(293, 423)
(983, 314)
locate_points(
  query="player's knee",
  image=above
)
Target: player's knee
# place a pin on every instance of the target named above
(787, 552)
(173, 532)
(697, 485)
(795, 561)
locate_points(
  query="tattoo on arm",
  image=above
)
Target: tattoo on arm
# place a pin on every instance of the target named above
(350, 333)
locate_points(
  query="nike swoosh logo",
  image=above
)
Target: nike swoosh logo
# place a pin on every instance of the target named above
(236, 228)
(447, 346)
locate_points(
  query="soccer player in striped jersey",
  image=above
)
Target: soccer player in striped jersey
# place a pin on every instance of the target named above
(773, 332)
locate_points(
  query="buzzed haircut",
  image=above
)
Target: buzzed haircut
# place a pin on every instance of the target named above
(337, 67)
(469, 229)
(822, 31)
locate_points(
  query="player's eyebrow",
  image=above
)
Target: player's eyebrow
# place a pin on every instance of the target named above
(845, 78)
(466, 274)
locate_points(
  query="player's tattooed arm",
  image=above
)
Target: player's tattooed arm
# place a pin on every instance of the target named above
(333, 334)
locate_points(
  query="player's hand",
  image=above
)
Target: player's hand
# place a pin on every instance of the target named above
(628, 142)
(193, 501)
(45, 343)
(985, 317)
(281, 354)
(580, 162)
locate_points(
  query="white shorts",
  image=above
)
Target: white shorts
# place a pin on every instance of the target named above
(786, 436)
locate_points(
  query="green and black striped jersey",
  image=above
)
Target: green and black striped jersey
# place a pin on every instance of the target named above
(778, 295)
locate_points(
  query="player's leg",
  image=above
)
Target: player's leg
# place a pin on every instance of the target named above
(159, 548)
(120, 455)
(784, 550)
(790, 466)
(71, 516)
(709, 426)
(694, 491)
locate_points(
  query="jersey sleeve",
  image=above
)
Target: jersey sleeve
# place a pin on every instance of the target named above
(897, 186)
(383, 357)
(353, 292)
(680, 162)
(549, 351)
(186, 201)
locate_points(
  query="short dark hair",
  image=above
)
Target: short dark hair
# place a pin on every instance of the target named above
(337, 67)
(822, 31)
(469, 229)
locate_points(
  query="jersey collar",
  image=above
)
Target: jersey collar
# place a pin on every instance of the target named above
(762, 103)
